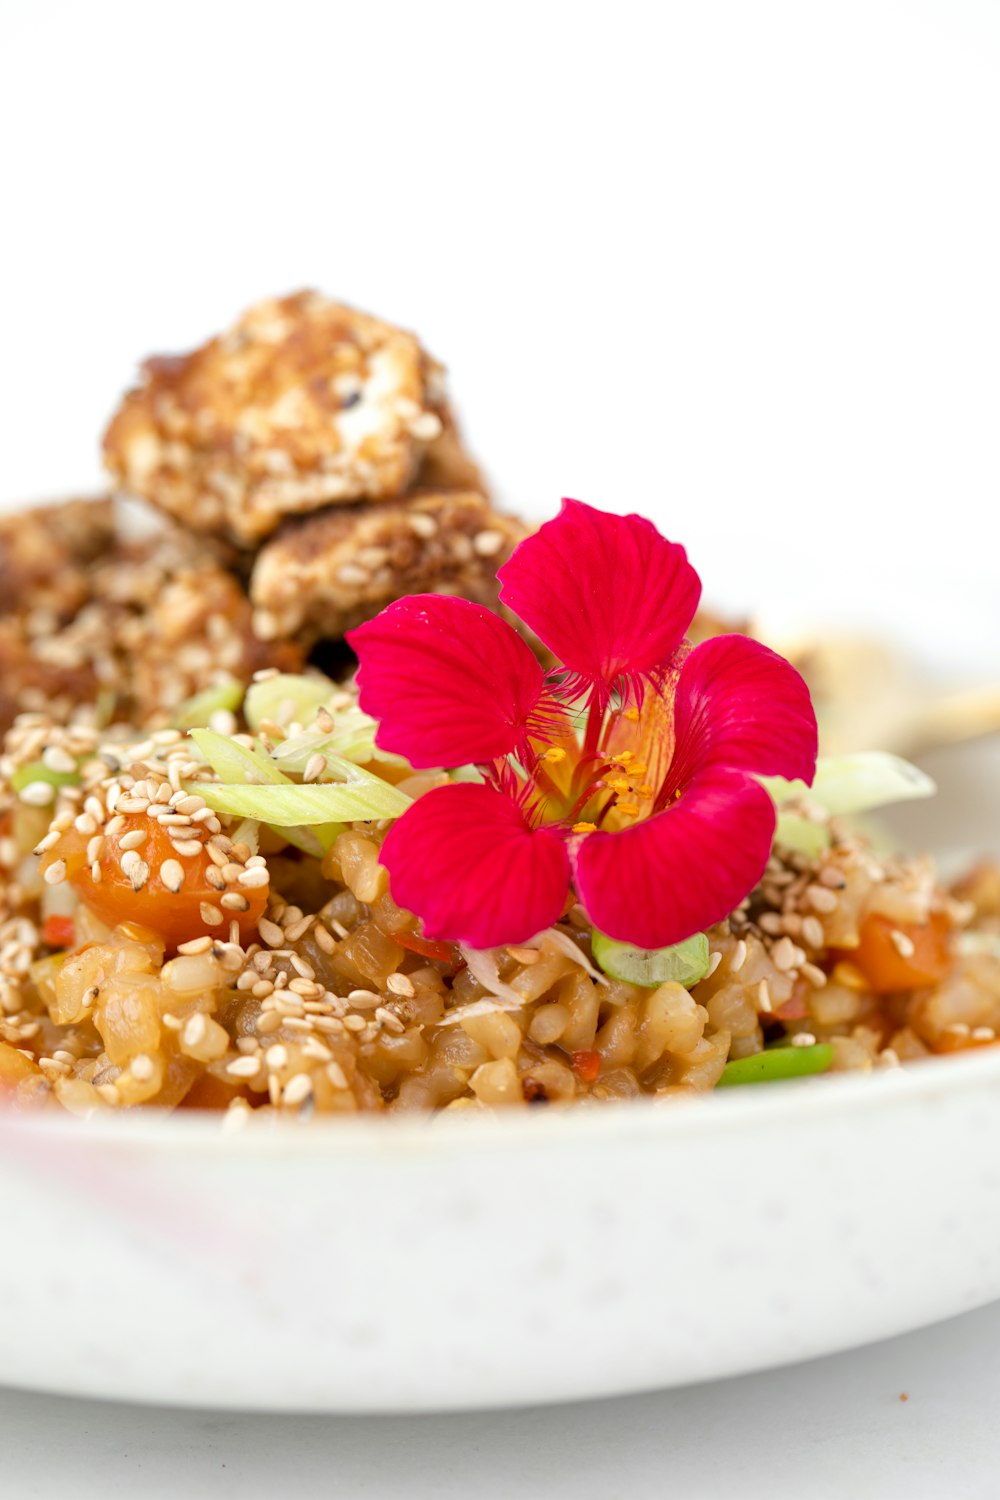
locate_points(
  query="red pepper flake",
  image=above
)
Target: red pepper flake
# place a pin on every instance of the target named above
(57, 932)
(445, 953)
(586, 1065)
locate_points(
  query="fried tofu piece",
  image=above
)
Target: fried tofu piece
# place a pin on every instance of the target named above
(318, 578)
(304, 403)
(95, 626)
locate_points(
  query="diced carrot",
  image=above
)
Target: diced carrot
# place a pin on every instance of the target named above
(795, 1007)
(58, 931)
(895, 956)
(586, 1065)
(176, 916)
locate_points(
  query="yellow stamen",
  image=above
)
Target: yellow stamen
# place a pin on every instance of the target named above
(645, 790)
(631, 714)
(554, 754)
(619, 783)
(638, 769)
(629, 808)
(623, 758)
(584, 827)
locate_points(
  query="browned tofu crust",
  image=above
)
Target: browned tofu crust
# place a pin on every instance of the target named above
(96, 626)
(303, 403)
(320, 577)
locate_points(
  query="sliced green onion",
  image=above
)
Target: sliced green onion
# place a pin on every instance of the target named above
(235, 762)
(197, 711)
(775, 1063)
(294, 806)
(682, 963)
(856, 783)
(288, 698)
(354, 742)
(802, 834)
(37, 770)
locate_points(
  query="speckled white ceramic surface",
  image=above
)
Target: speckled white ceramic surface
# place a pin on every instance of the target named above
(456, 1263)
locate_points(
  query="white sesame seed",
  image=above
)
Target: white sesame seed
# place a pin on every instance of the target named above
(739, 957)
(85, 824)
(815, 976)
(270, 932)
(812, 932)
(138, 875)
(195, 945)
(336, 1075)
(488, 543)
(764, 997)
(244, 1067)
(983, 1034)
(276, 1056)
(48, 842)
(297, 1089)
(210, 915)
(187, 848)
(134, 839)
(55, 872)
(141, 1067)
(58, 760)
(38, 794)
(315, 766)
(802, 1039)
(364, 999)
(714, 961)
(904, 945)
(253, 879)
(233, 901)
(96, 874)
(172, 874)
(400, 984)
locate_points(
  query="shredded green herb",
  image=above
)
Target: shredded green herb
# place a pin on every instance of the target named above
(682, 963)
(775, 1063)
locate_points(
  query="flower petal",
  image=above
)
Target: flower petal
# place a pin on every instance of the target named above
(465, 861)
(608, 595)
(738, 704)
(450, 682)
(682, 870)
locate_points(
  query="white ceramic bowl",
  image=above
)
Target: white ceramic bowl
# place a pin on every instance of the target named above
(428, 1265)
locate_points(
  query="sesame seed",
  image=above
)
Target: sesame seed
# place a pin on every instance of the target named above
(38, 794)
(85, 824)
(815, 976)
(739, 957)
(400, 984)
(48, 842)
(95, 848)
(96, 874)
(822, 899)
(336, 1075)
(187, 848)
(58, 760)
(298, 928)
(525, 956)
(276, 1056)
(210, 915)
(215, 878)
(55, 872)
(764, 997)
(270, 932)
(714, 961)
(196, 945)
(983, 1034)
(233, 901)
(488, 543)
(315, 766)
(904, 945)
(244, 1067)
(802, 1039)
(139, 875)
(134, 839)
(254, 878)
(783, 954)
(142, 1068)
(172, 874)
(812, 932)
(297, 1089)
(364, 999)
(355, 1023)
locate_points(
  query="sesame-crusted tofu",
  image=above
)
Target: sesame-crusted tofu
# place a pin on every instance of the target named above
(320, 577)
(303, 403)
(127, 630)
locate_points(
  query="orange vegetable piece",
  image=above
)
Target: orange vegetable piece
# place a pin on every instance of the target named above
(57, 932)
(175, 916)
(586, 1065)
(887, 962)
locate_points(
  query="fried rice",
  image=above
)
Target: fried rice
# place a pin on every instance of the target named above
(287, 979)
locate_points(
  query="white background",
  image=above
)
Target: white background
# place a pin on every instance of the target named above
(736, 265)
(732, 264)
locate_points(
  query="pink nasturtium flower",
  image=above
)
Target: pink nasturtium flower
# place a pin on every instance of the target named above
(625, 775)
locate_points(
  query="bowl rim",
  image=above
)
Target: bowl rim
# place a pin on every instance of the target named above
(401, 1137)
